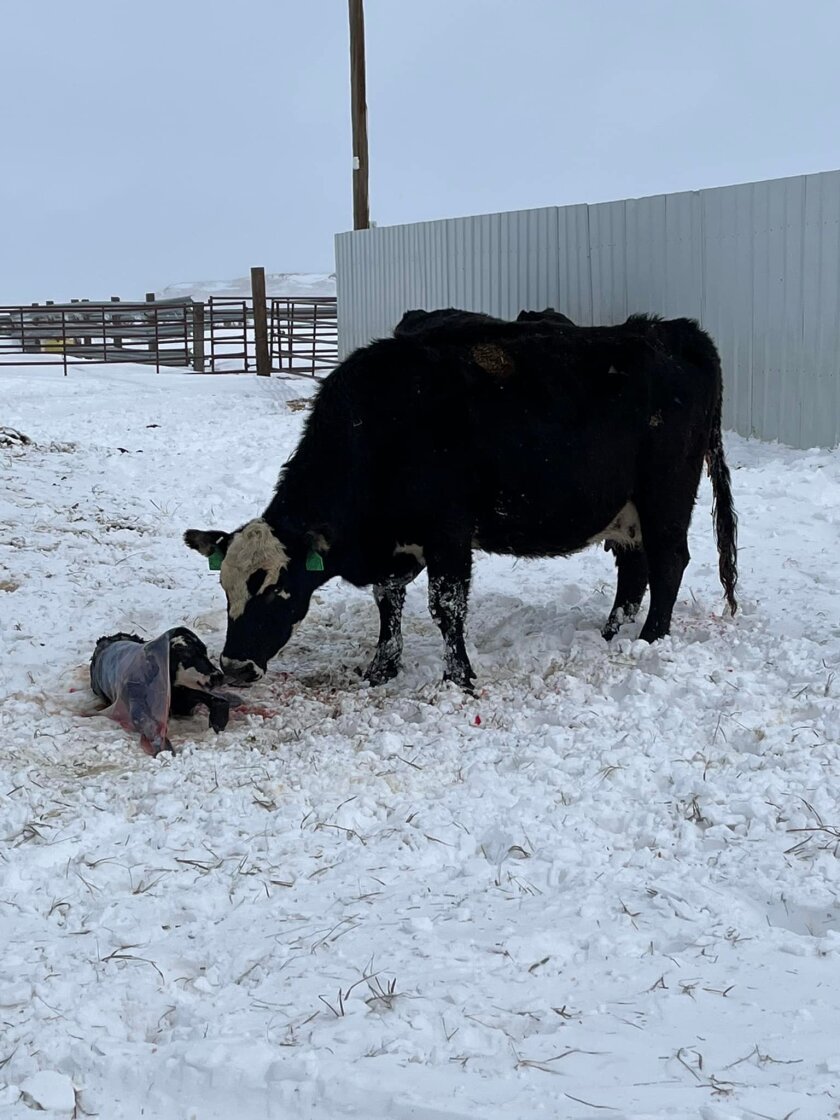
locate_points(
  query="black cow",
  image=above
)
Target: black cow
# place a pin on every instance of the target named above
(433, 323)
(417, 322)
(528, 439)
(548, 313)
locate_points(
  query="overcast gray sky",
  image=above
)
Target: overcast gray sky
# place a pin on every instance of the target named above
(144, 144)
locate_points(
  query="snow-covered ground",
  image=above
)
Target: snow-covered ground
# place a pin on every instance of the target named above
(276, 284)
(608, 885)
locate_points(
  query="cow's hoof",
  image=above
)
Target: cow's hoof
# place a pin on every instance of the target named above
(652, 636)
(462, 677)
(380, 672)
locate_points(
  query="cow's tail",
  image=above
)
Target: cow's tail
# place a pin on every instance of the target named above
(723, 511)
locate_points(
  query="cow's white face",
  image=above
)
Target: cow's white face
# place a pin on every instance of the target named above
(252, 564)
(268, 590)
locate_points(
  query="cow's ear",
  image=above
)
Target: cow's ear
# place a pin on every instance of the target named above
(319, 537)
(207, 541)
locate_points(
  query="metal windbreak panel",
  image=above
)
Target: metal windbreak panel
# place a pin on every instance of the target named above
(682, 291)
(573, 271)
(351, 307)
(758, 264)
(820, 407)
(520, 270)
(778, 372)
(644, 249)
(608, 255)
(663, 255)
(727, 295)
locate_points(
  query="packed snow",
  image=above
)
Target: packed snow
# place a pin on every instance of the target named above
(606, 885)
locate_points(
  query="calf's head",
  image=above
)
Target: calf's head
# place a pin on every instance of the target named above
(268, 582)
(189, 662)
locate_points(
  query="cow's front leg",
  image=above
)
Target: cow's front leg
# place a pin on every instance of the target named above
(185, 701)
(390, 598)
(449, 588)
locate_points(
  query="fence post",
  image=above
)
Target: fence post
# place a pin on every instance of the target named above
(260, 323)
(117, 337)
(157, 344)
(198, 337)
(150, 298)
(85, 320)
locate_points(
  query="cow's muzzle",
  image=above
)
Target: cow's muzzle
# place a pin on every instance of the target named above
(241, 672)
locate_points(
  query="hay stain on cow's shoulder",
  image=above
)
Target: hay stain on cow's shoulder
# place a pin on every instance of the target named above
(493, 359)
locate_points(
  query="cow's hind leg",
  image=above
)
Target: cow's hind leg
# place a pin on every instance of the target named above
(632, 567)
(668, 556)
(449, 589)
(448, 604)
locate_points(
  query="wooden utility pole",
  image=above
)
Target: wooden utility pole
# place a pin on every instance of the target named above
(358, 111)
(260, 322)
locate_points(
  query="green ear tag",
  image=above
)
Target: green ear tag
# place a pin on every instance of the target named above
(314, 562)
(214, 560)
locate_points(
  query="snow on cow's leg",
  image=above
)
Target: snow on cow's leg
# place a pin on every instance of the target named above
(449, 588)
(390, 598)
(632, 567)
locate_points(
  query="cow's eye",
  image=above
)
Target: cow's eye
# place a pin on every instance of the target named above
(256, 580)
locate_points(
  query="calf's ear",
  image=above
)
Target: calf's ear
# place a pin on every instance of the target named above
(207, 541)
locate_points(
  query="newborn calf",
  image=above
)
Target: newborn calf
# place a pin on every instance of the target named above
(146, 682)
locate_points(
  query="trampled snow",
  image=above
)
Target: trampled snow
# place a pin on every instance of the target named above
(607, 885)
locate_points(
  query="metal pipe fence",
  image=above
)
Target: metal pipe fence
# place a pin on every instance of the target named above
(303, 334)
(217, 336)
(158, 334)
(229, 330)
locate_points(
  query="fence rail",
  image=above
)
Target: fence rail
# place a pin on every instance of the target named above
(217, 336)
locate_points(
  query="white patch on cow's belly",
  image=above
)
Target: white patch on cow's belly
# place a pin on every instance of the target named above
(414, 550)
(624, 529)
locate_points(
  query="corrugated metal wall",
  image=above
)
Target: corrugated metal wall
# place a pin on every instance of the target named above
(757, 264)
